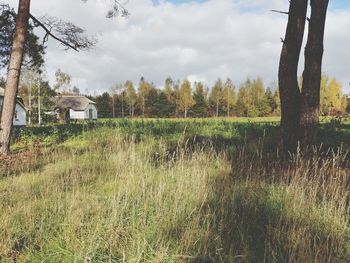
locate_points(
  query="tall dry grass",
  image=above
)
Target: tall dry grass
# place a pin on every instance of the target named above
(105, 197)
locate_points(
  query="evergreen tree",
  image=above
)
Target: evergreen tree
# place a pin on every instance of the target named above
(161, 107)
(176, 98)
(200, 108)
(270, 99)
(103, 103)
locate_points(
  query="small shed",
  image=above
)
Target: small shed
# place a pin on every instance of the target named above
(70, 107)
(20, 116)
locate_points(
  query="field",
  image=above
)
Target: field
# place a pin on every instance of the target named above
(205, 190)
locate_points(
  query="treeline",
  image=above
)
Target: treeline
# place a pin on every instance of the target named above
(184, 99)
(176, 99)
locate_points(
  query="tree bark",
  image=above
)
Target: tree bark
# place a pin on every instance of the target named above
(113, 107)
(310, 102)
(217, 109)
(123, 106)
(288, 75)
(228, 110)
(13, 75)
(39, 103)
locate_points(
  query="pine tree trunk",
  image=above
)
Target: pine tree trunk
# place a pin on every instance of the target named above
(310, 102)
(13, 75)
(288, 75)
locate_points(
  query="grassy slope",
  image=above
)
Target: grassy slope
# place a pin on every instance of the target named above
(146, 197)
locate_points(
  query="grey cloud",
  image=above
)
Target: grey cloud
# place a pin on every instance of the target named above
(199, 41)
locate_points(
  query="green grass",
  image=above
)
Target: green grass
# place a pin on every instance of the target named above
(177, 191)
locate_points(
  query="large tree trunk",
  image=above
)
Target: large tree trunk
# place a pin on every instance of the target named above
(13, 75)
(288, 74)
(310, 102)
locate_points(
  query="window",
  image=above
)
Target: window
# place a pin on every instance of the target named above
(16, 115)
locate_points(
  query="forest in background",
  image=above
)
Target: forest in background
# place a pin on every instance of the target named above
(181, 99)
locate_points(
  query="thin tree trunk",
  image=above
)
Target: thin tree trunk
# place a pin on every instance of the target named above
(217, 109)
(13, 75)
(288, 74)
(310, 103)
(143, 107)
(228, 110)
(39, 105)
(30, 105)
(122, 107)
(113, 107)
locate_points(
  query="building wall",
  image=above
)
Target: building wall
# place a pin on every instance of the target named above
(20, 118)
(76, 115)
(83, 115)
(94, 111)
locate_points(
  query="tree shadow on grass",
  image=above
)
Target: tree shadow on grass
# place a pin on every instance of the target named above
(252, 222)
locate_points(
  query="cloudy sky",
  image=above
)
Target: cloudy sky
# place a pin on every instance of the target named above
(199, 40)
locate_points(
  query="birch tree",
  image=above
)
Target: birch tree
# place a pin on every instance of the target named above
(69, 35)
(186, 98)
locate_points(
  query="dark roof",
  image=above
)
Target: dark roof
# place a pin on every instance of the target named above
(77, 103)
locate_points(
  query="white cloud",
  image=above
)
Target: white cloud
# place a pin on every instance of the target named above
(199, 41)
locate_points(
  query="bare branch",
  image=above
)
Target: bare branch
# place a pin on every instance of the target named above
(69, 35)
(280, 12)
(117, 9)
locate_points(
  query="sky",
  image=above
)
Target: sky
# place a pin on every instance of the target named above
(200, 40)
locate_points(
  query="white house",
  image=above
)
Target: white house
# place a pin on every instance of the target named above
(20, 117)
(76, 108)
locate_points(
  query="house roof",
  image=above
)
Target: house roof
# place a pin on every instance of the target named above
(19, 102)
(77, 103)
